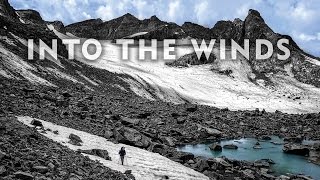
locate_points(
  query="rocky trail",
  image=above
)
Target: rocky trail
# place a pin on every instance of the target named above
(144, 165)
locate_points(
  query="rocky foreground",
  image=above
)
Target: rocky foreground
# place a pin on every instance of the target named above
(27, 155)
(157, 126)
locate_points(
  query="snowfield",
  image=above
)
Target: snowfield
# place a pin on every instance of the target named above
(202, 85)
(145, 165)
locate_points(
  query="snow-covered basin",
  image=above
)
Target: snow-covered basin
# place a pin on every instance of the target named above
(199, 84)
(145, 165)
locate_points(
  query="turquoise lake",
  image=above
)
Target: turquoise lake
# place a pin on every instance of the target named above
(285, 163)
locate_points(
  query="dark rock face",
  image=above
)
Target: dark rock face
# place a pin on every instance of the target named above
(58, 25)
(256, 28)
(192, 59)
(7, 10)
(228, 30)
(196, 31)
(30, 16)
(296, 149)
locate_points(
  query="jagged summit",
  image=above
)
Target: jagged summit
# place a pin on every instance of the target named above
(154, 18)
(30, 16)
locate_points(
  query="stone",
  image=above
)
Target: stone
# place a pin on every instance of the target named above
(169, 141)
(23, 175)
(215, 147)
(201, 165)
(181, 120)
(2, 155)
(97, 152)
(36, 123)
(192, 108)
(230, 146)
(129, 121)
(2, 170)
(296, 149)
(261, 163)
(248, 173)
(108, 134)
(222, 162)
(297, 139)
(266, 138)
(51, 166)
(40, 169)
(75, 140)
(257, 147)
(128, 172)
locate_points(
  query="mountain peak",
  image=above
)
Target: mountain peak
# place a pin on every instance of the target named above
(254, 15)
(128, 15)
(30, 16)
(154, 18)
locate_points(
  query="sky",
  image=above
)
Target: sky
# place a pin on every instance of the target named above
(298, 18)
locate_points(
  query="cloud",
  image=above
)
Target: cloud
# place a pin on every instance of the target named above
(105, 12)
(308, 37)
(174, 8)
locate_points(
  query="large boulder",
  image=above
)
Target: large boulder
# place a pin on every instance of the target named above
(23, 175)
(132, 137)
(36, 123)
(296, 149)
(297, 139)
(129, 121)
(215, 147)
(230, 146)
(97, 152)
(75, 140)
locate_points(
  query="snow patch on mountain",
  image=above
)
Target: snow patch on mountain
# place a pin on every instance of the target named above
(204, 84)
(13, 63)
(137, 34)
(312, 60)
(145, 165)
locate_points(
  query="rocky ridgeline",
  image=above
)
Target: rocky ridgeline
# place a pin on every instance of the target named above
(27, 155)
(30, 16)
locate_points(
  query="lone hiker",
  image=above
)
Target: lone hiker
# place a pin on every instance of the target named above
(122, 153)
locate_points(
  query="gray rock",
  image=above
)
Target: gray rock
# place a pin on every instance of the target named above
(2, 155)
(215, 147)
(129, 121)
(23, 175)
(230, 146)
(248, 173)
(36, 123)
(296, 149)
(40, 169)
(97, 152)
(75, 140)
(2, 170)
